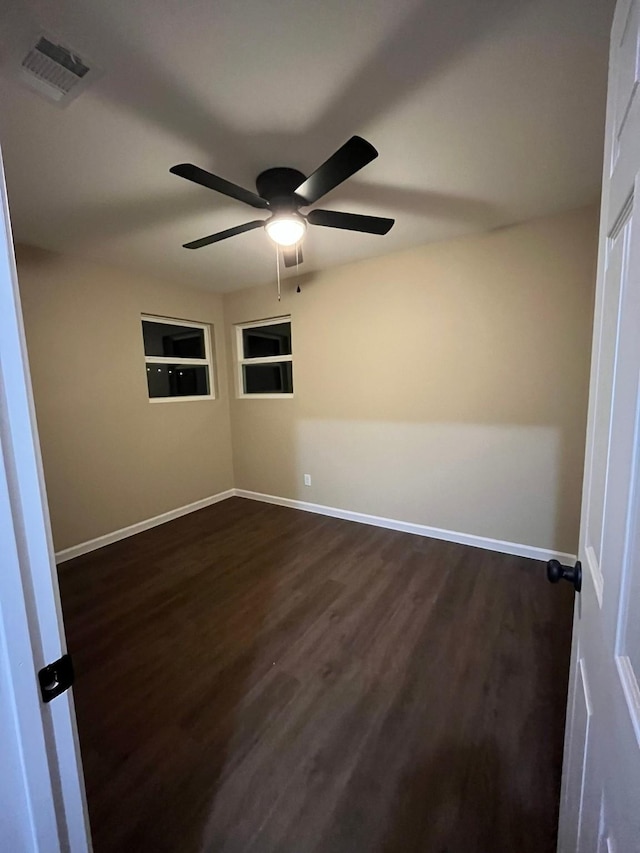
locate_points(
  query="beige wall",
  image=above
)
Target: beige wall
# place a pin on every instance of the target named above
(445, 385)
(110, 457)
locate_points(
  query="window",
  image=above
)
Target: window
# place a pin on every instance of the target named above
(177, 356)
(265, 365)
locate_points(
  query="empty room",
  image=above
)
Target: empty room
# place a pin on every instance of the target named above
(319, 426)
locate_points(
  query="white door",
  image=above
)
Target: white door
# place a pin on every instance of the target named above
(600, 804)
(42, 805)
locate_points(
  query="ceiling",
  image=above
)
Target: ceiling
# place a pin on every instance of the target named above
(484, 114)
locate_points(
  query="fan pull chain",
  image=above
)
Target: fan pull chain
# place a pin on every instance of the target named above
(297, 260)
(278, 269)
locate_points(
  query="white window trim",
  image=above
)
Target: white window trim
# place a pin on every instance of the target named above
(268, 359)
(207, 361)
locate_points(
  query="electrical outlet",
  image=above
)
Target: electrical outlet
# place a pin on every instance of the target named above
(307, 479)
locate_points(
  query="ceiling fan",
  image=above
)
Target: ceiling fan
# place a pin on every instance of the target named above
(283, 191)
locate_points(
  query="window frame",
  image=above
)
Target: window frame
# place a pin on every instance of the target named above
(207, 361)
(241, 361)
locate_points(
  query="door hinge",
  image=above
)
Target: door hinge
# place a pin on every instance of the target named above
(55, 678)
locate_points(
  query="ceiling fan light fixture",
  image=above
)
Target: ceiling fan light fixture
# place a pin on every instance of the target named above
(281, 190)
(286, 229)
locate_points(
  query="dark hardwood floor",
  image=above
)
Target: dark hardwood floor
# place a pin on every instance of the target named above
(255, 678)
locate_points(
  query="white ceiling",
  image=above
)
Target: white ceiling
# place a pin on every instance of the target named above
(485, 113)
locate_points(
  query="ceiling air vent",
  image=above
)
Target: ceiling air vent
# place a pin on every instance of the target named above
(53, 70)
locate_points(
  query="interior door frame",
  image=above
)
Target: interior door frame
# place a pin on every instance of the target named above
(44, 804)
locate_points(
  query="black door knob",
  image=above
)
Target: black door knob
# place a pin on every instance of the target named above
(557, 572)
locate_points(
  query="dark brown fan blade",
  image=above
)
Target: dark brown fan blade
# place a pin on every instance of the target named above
(350, 221)
(289, 255)
(213, 182)
(222, 235)
(348, 160)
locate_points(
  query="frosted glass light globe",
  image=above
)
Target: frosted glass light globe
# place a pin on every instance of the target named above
(286, 230)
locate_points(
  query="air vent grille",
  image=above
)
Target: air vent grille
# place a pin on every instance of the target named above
(55, 66)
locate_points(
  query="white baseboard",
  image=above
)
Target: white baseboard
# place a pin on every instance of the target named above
(107, 539)
(513, 548)
(362, 518)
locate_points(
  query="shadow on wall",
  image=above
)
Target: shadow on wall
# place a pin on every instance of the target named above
(495, 480)
(444, 386)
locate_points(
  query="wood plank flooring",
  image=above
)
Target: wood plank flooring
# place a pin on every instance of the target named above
(254, 678)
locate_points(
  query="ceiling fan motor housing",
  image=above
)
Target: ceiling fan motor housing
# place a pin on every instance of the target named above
(278, 187)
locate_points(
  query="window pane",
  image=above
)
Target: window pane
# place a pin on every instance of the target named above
(261, 341)
(274, 378)
(177, 341)
(177, 380)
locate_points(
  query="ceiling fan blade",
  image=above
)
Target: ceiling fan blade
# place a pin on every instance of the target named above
(350, 221)
(213, 182)
(348, 160)
(289, 255)
(222, 235)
